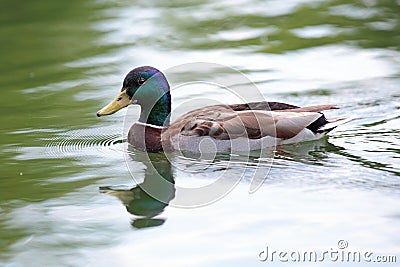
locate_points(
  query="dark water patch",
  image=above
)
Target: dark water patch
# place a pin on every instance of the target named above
(376, 123)
(369, 164)
(318, 92)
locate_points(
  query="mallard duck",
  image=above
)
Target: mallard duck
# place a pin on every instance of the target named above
(217, 128)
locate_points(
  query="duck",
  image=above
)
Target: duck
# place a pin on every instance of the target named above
(215, 128)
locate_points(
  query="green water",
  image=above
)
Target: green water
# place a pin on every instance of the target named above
(67, 197)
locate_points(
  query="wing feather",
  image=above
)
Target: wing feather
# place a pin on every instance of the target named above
(221, 122)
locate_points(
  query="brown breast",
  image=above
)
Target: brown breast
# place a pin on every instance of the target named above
(147, 138)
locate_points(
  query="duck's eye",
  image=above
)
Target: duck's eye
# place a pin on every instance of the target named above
(141, 81)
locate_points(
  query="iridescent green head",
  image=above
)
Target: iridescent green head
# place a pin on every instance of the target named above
(147, 87)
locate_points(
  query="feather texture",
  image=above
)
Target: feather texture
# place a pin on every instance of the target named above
(253, 121)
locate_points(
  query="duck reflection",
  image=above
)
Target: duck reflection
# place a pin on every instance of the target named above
(149, 198)
(310, 153)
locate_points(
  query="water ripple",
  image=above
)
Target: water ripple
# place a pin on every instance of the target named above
(84, 142)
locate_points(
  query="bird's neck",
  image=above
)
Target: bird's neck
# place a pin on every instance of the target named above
(158, 113)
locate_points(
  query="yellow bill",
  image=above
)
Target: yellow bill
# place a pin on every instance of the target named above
(122, 100)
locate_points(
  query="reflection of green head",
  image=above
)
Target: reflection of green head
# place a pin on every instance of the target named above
(153, 195)
(144, 205)
(147, 222)
(148, 199)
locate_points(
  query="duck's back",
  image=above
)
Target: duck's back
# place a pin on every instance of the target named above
(250, 126)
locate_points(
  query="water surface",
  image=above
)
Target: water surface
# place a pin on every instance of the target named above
(67, 197)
